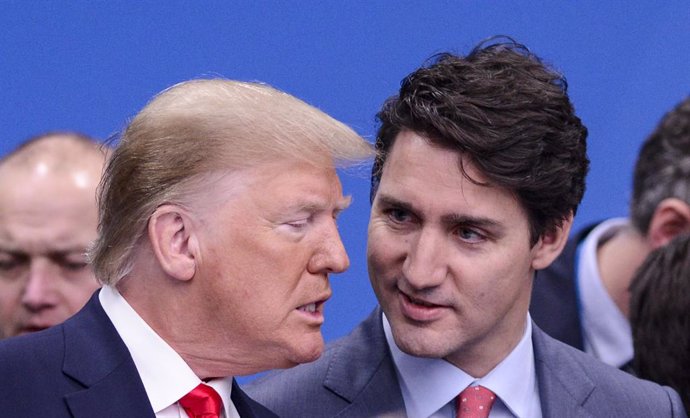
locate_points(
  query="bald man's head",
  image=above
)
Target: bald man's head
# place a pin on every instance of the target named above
(48, 218)
(62, 150)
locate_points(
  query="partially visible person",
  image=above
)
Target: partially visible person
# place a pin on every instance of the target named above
(480, 167)
(48, 219)
(217, 237)
(582, 299)
(660, 317)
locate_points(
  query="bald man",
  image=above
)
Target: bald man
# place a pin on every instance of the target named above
(48, 219)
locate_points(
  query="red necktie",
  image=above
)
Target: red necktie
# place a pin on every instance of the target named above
(202, 402)
(475, 402)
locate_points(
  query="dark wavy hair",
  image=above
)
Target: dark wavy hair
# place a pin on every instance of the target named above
(662, 169)
(508, 113)
(659, 307)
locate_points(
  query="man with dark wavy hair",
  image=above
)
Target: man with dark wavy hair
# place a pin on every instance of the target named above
(582, 298)
(481, 164)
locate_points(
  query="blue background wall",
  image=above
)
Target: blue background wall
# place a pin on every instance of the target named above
(89, 65)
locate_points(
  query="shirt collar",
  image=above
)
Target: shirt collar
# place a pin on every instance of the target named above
(165, 375)
(607, 332)
(429, 384)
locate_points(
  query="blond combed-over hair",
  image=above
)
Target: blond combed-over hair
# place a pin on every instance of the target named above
(196, 128)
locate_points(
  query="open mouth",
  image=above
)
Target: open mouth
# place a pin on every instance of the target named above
(310, 307)
(313, 307)
(420, 310)
(419, 302)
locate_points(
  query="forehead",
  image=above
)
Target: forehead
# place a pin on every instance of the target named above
(48, 173)
(37, 187)
(39, 212)
(430, 176)
(279, 185)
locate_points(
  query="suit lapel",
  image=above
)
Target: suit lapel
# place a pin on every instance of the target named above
(563, 386)
(97, 358)
(372, 387)
(120, 394)
(246, 406)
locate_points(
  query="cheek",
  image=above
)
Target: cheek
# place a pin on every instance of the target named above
(257, 285)
(6, 306)
(79, 291)
(376, 261)
(10, 311)
(506, 280)
(383, 248)
(383, 270)
(232, 265)
(485, 277)
(10, 296)
(513, 260)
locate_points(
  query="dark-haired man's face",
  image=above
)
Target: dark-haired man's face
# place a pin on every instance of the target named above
(449, 260)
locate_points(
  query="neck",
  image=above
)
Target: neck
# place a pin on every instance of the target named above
(478, 359)
(618, 260)
(166, 309)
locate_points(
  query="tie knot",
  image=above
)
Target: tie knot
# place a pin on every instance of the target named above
(475, 402)
(202, 402)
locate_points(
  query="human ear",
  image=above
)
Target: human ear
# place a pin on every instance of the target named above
(172, 238)
(671, 218)
(551, 244)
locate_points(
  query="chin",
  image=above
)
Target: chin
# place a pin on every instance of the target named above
(415, 342)
(421, 350)
(310, 350)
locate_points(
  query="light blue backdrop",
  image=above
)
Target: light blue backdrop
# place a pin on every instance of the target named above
(89, 65)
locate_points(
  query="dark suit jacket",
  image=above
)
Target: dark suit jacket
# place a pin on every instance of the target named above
(554, 306)
(80, 369)
(356, 378)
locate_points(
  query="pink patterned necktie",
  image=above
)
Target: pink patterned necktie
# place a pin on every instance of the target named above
(202, 402)
(475, 402)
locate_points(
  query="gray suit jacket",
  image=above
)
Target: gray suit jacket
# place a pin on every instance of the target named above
(356, 377)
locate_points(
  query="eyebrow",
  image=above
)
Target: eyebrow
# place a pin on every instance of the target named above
(391, 201)
(479, 222)
(343, 203)
(311, 207)
(450, 220)
(51, 253)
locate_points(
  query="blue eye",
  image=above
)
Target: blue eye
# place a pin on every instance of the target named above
(398, 215)
(469, 235)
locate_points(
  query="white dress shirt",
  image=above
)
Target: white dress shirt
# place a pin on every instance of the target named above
(165, 375)
(606, 331)
(430, 386)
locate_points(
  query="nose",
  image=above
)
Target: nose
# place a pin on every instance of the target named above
(39, 291)
(425, 265)
(331, 256)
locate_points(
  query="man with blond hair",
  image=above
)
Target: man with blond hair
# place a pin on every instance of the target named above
(217, 235)
(48, 220)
